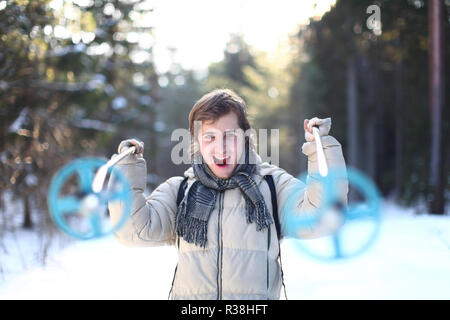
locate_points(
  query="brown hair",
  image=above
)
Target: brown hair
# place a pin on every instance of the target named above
(216, 104)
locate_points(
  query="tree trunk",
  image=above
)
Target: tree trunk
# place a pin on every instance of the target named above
(370, 154)
(372, 113)
(27, 222)
(436, 54)
(398, 128)
(352, 113)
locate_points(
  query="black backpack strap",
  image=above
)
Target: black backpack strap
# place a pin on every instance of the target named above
(181, 190)
(273, 195)
(180, 196)
(276, 218)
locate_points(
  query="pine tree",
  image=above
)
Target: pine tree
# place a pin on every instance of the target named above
(387, 95)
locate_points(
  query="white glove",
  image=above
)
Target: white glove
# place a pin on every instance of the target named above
(125, 144)
(324, 126)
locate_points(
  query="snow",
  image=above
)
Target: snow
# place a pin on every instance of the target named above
(97, 269)
(409, 260)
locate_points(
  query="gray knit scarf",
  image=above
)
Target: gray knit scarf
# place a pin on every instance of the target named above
(195, 208)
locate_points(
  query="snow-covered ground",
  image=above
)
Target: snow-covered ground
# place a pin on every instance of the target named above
(410, 260)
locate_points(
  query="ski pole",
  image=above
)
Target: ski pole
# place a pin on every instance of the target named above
(321, 160)
(100, 176)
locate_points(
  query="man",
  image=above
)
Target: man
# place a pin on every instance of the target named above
(224, 227)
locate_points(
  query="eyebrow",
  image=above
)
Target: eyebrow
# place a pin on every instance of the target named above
(226, 131)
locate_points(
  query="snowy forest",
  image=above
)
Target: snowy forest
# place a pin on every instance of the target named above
(77, 79)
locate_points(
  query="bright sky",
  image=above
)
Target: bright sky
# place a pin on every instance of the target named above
(199, 29)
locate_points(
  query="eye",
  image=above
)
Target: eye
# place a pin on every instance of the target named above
(231, 136)
(208, 137)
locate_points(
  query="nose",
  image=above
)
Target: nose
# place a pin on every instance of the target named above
(220, 148)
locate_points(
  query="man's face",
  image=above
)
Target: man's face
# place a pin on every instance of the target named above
(221, 144)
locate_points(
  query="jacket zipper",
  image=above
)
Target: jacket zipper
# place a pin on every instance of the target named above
(220, 248)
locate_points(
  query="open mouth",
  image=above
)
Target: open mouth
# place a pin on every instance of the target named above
(221, 162)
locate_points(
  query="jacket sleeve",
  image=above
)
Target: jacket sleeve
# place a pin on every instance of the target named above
(305, 199)
(151, 221)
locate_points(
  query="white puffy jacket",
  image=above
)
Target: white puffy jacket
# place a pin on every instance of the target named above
(238, 261)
